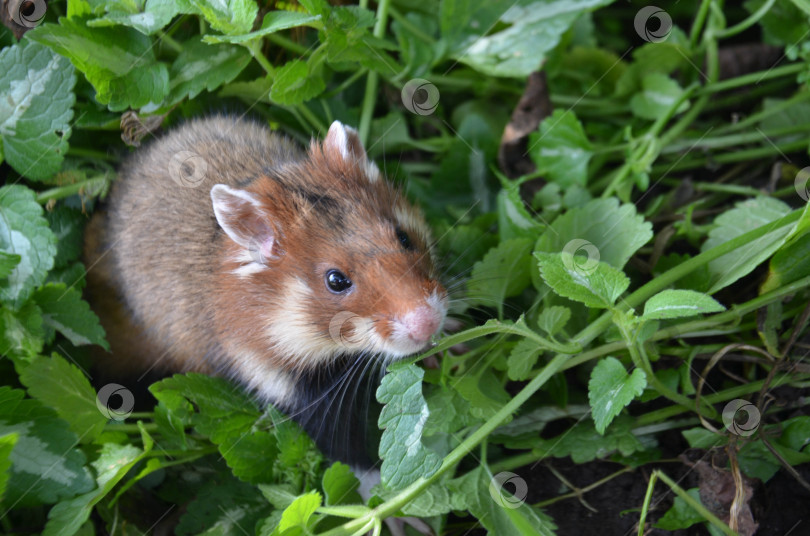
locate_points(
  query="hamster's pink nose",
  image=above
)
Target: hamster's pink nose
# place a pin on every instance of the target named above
(422, 323)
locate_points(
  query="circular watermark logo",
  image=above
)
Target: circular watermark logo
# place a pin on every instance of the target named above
(583, 257)
(188, 169)
(741, 417)
(652, 24)
(344, 328)
(28, 13)
(420, 96)
(801, 183)
(508, 498)
(115, 401)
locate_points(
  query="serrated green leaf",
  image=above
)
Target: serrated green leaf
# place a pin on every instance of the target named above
(514, 221)
(296, 82)
(62, 386)
(36, 108)
(46, 468)
(662, 57)
(701, 438)
(7, 443)
(222, 506)
(611, 388)
(680, 304)
(21, 332)
(340, 485)
(584, 444)
(8, 261)
(594, 284)
(745, 216)
(553, 319)
(527, 30)
(231, 17)
(274, 21)
(503, 272)
(616, 231)
(497, 509)
(405, 457)
(147, 17)
(119, 62)
(67, 225)
(24, 232)
(200, 66)
(228, 416)
(561, 150)
(681, 515)
(64, 310)
(522, 359)
(298, 514)
(658, 94)
(433, 501)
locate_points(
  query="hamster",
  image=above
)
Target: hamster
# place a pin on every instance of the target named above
(226, 249)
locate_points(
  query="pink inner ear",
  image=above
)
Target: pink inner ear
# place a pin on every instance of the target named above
(266, 248)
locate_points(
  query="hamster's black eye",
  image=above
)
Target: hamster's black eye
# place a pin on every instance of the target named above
(337, 281)
(404, 239)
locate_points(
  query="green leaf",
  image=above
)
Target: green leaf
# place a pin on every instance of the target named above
(594, 284)
(663, 57)
(701, 438)
(745, 216)
(405, 457)
(616, 231)
(680, 304)
(21, 332)
(610, 389)
(231, 17)
(514, 221)
(522, 358)
(46, 468)
(658, 94)
(503, 272)
(273, 22)
(295, 82)
(68, 226)
(789, 264)
(229, 417)
(298, 514)
(63, 387)
(222, 505)
(7, 263)
(553, 319)
(496, 507)
(526, 31)
(7, 443)
(681, 515)
(119, 62)
(64, 310)
(340, 485)
(24, 232)
(200, 66)
(584, 444)
(112, 465)
(36, 109)
(146, 17)
(561, 150)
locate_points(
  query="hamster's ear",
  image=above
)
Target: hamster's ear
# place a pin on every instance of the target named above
(344, 141)
(244, 219)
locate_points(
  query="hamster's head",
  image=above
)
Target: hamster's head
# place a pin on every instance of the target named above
(324, 257)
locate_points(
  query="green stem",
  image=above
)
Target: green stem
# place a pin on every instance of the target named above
(310, 116)
(771, 110)
(89, 187)
(255, 48)
(734, 156)
(733, 139)
(696, 505)
(174, 45)
(700, 20)
(410, 26)
(288, 44)
(751, 78)
(748, 22)
(370, 96)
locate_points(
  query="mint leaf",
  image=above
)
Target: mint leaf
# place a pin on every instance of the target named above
(68, 226)
(503, 272)
(274, 21)
(745, 216)
(296, 82)
(200, 66)
(533, 29)
(7, 443)
(63, 387)
(594, 284)
(46, 467)
(21, 332)
(553, 319)
(222, 505)
(404, 456)
(64, 310)
(584, 444)
(522, 358)
(514, 221)
(231, 17)
(340, 485)
(561, 150)
(24, 232)
(7, 263)
(680, 303)
(146, 17)
(658, 93)
(118, 62)
(36, 108)
(610, 389)
(298, 514)
(616, 231)
(681, 515)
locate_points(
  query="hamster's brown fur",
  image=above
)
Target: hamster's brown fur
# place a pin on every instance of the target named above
(213, 248)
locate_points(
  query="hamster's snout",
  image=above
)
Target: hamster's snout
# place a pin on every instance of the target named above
(422, 323)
